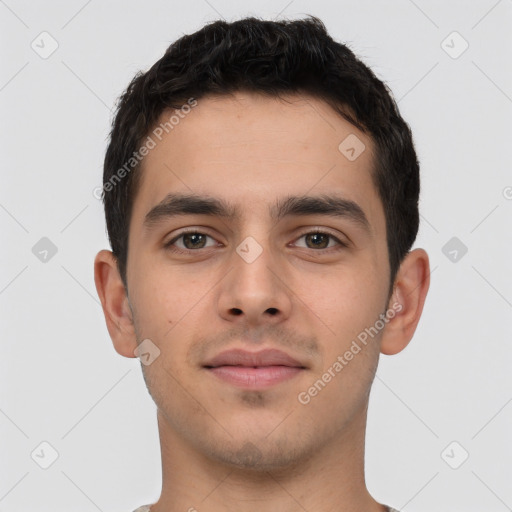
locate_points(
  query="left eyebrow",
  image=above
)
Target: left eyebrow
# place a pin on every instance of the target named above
(321, 205)
(179, 204)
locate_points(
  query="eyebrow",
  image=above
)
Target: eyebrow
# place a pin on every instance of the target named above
(179, 204)
(174, 205)
(329, 205)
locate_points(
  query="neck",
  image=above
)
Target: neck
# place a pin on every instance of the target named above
(329, 480)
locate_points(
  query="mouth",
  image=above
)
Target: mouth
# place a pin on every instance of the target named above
(255, 377)
(254, 370)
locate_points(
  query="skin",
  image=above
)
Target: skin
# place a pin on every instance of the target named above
(225, 448)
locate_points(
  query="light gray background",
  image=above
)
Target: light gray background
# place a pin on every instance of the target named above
(61, 380)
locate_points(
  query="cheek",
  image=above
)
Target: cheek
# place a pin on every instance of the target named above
(165, 296)
(342, 301)
(170, 310)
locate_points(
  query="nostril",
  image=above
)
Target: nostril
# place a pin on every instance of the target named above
(272, 311)
(236, 311)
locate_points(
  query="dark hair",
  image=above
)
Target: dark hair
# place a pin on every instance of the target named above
(273, 58)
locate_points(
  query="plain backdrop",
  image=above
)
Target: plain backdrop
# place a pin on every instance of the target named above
(440, 416)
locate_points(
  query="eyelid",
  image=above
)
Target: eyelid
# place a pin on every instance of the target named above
(185, 231)
(324, 231)
(204, 231)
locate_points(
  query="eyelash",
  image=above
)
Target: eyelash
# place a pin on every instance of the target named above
(170, 247)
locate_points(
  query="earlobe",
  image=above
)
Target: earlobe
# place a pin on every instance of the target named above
(410, 290)
(115, 303)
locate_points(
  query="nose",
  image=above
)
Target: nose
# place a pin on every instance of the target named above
(254, 292)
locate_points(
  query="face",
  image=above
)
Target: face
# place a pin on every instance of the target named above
(252, 230)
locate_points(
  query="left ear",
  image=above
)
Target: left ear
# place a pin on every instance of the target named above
(410, 290)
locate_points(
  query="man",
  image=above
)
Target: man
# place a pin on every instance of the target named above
(261, 198)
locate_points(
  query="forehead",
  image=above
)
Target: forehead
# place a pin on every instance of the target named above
(252, 149)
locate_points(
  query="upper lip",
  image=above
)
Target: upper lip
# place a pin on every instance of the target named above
(239, 357)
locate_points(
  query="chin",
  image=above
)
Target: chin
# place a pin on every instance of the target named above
(259, 454)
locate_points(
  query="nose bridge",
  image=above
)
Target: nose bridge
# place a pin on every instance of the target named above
(253, 262)
(253, 289)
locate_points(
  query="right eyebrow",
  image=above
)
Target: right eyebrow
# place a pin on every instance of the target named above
(180, 204)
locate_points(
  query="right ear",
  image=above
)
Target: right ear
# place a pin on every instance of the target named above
(114, 301)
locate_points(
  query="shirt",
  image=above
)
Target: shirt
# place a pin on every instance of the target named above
(146, 508)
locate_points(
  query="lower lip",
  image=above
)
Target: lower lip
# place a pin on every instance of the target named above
(250, 377)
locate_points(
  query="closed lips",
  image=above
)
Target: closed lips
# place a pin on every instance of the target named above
(238, 357)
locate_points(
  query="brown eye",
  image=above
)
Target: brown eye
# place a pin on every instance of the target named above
(194, 240)
(317, 240)
(190, 241)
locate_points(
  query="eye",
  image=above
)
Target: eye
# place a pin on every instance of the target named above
(190, 240)
(320, 240)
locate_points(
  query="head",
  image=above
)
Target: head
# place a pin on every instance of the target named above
(270, 58)
(252, 136)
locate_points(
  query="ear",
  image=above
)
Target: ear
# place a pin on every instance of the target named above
(114, 301)
(409, 293)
